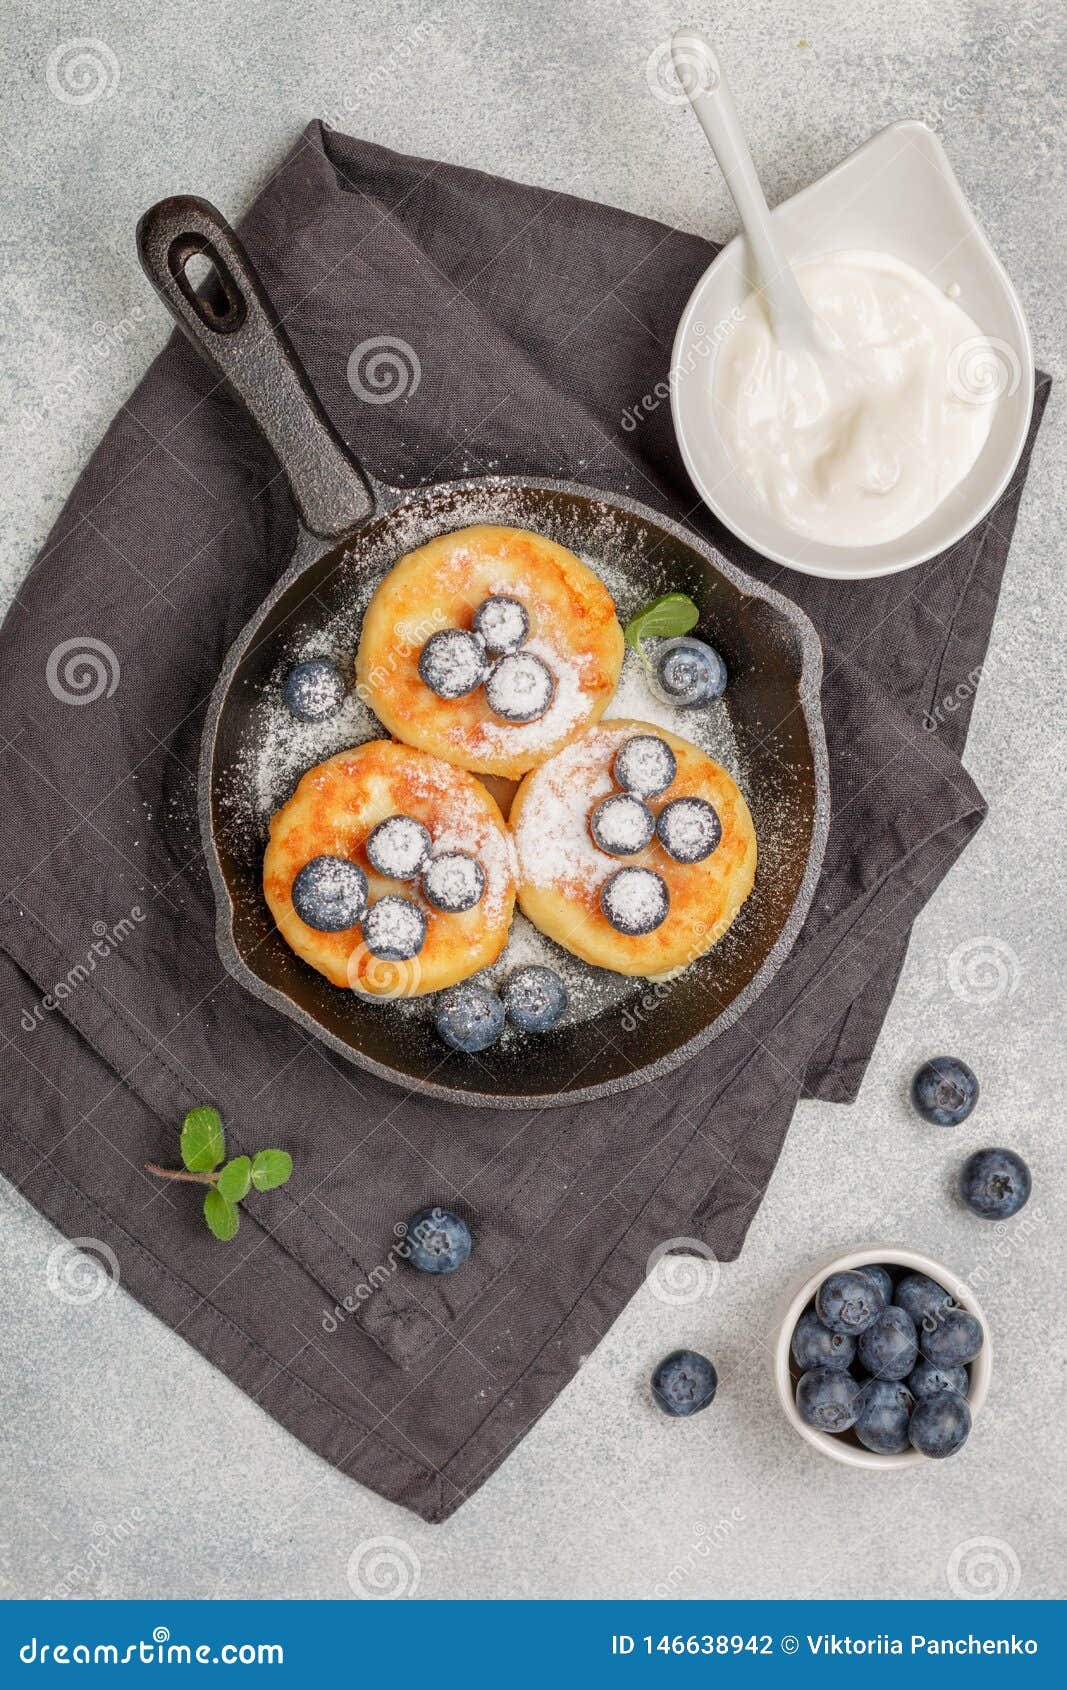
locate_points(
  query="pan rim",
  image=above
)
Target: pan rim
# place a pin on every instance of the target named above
(388, 502)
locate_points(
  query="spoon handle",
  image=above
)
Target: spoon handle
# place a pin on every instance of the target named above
(704, 81)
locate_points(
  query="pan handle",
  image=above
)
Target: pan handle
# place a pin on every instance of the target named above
(233, 323)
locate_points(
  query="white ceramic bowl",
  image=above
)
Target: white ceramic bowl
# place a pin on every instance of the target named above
(845, 1447)
(895, 194)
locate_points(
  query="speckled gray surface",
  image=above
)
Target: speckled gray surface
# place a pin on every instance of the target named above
(604, 1498)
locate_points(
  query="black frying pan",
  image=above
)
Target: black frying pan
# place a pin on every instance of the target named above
(352, 526)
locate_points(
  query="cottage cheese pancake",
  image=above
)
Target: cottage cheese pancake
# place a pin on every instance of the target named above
(494, 687)
(329, 820)
(567, 881)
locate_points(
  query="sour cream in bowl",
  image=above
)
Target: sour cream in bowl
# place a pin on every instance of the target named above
(895, 437)
(856, 442)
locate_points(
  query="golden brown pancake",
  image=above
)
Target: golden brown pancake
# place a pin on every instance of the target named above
(561, 870)
(332, 812)
(573, 628)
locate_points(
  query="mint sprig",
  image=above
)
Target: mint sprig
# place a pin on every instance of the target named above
(203, 1153)
(664, 618)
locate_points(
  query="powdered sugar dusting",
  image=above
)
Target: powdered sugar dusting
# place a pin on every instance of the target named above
(469, 829)
(552, 835)
(568, 708)
(708, 728)
(285, 749)
(589, 990)
(635, 900)
(520, 687)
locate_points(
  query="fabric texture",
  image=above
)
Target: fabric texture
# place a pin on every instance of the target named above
(540, 322)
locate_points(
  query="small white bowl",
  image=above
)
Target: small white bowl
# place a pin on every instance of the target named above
(895, 194)
(842, 1447)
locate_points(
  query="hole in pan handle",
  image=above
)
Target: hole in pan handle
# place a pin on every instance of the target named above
(231, 321)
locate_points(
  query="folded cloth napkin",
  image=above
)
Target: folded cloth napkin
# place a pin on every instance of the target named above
(542, 327)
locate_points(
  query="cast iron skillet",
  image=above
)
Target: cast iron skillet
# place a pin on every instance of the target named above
(353, 530)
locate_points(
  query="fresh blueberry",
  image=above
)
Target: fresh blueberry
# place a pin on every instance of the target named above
(925, 1379)
(882, 1278)
(923, 1298)
(469, 1017)
(520, 687)
(330, 894)
(849, 1302)
(814, 1345)
(534, 998)
(952, 1340)
(995, 1183)
(635, 901)
(944, 1091)
(828, 1399)
(502, 622)
(399, 847)
(885, 1409)
(394, 929)
(314, 690)
(684, 1383)
(439, 1241)
(889, 1348)
(453, 882)
(645, 765)
(452, 663)
(940, 1424)
(689, 829)
(690, 672)
(622, 825)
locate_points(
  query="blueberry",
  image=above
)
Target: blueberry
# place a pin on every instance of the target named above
(394, 929)
(314, 690)
(534, 998)
(688, 829)
(889, 1348)
(330, 894)
(940, 1424)
(690, 672)
(995, 1183)
(814, 1345)
(944, 1091)
(439, 1241)
(922, 1297)
(520, 687)
(882, 1278)
(849, 1302)
(452, 663)
(684, 1382)
(952, 1340)
(885, 1410)
(469, 1017)
(399, 847)
(828, 1399)
(622, 825)
(453, 882)
(645, 765)
(635, 901)
(925, 1379)
(502, 622)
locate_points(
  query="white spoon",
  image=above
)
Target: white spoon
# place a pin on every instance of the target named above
(701, 76)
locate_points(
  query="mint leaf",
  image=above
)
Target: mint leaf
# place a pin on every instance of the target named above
(222, 1216)
(271, 1168)
(674, 613)
(235, 1179)
(203, 1141)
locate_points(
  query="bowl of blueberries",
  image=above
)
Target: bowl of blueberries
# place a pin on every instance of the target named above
(883, 1359)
